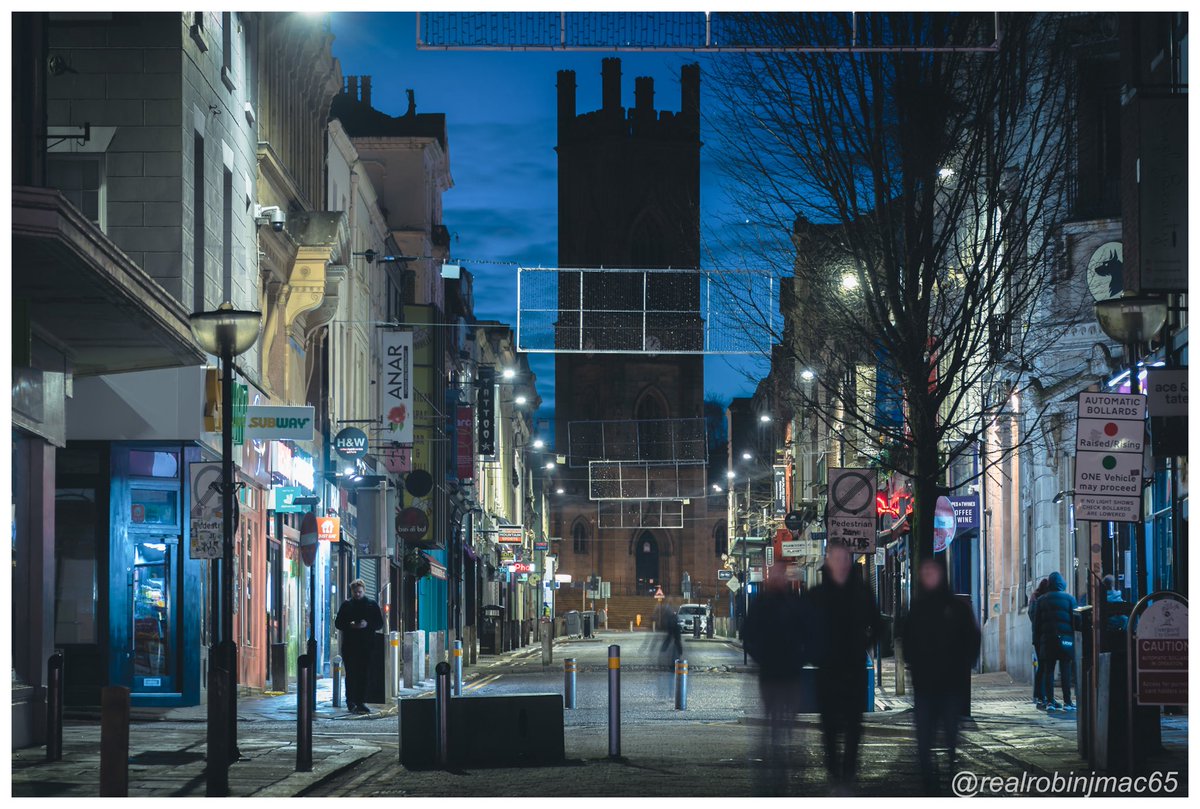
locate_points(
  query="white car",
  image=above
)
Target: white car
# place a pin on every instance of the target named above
(690, 613)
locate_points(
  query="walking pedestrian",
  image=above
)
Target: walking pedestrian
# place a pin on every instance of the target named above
(1039, 698)
(941, 644)
(774, 636)
(359, 619)
(1054, 626)
(844, 623)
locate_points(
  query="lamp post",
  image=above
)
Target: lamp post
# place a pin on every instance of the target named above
(226, 333)
(1133, 320)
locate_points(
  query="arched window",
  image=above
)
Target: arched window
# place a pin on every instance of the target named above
(579, 537)
(720, 540)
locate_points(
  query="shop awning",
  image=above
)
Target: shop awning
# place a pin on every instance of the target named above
(436, 568)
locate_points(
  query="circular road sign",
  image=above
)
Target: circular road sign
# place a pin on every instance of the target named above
(308, 539)
(943, 524)
(853, 492)
(350, 443)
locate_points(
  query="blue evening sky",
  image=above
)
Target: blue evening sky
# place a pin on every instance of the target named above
(501, 110)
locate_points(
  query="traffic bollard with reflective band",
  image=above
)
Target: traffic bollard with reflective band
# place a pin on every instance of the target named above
(303, 715)
(456, 653)
(569, 683)
(614, 701)
(441, 697)
(337, 681)
(681, 685)
(54, 707)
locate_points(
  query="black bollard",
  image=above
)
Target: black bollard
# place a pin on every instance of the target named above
(696, 626)
(114, 741)
(614, 701)
(216, 768)
(304, 714)
(337, 681)
(54, 707)
(441, 696)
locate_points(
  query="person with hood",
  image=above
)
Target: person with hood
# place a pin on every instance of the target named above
(773, 635)
(1038, 696)
(844, 623)
(1054, 628)
(359, 619)
(941, 644)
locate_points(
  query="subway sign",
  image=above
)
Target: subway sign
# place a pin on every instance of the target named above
(264, 423)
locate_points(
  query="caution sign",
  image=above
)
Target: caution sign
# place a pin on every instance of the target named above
(1162, 653)
(850, 509)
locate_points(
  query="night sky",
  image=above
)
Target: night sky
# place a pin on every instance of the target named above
(501, 110)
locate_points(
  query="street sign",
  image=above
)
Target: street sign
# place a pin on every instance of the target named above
(943, 524)
(724, 575)
(1112, 406)
(1110, 474)
(1110, 435)
(658, 594)
(206, 524)
(1162, 653)
(1108, 509)
(850, 509)
(734, 585)
(769, 556)
(792, 549)
(308, 539)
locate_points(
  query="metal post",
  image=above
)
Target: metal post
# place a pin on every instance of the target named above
(569, 683)
(680, 685)
(216, 769)
(614, 701)
(696, 626)
(337, 681)
(303, 715)
(229, 655)
(456, 653)
(54, 707)
(442, 709)
(114, 742)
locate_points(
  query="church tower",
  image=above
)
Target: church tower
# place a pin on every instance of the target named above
(629, 198)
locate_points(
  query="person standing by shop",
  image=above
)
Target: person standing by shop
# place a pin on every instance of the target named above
(1054, 627)
(844, 624)
(359, 619)
(1039, 698)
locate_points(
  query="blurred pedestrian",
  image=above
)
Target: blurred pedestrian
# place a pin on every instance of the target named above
(672, 644)
(844, 623)
(773, 635)
(1054, 626)
(359, 619)
(941, 644)
(1039, 697)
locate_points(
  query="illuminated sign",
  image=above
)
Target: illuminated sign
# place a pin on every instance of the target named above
(290, 423)
(510, 535)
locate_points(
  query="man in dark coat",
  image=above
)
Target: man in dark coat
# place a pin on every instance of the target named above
(773, 634)
(1054, 627)
(941, 644)
(359, 619)
(844, 623)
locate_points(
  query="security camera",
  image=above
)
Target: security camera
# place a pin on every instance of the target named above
(273, 215)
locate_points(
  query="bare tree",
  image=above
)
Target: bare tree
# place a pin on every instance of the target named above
(914, 196)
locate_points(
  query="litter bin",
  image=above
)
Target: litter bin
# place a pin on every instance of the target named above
(574, 623)
(489, 642)
(589, 623)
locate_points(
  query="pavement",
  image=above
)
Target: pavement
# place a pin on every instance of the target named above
(719, 746)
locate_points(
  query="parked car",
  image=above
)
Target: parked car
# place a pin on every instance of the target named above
(689, 614)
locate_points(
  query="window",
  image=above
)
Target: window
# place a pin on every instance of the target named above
(227, 235)
(227, 48)
(720, 540)
(80, 178)
(153, 464)
(579, 537)
(198, 246)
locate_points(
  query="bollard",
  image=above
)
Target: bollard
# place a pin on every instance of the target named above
(631, 626)
(54, 707)
(547, 647)
(456, 653)
(441, 697)
(569, 683)
(114, 742)
(711, 621)
(696, 626)
(303, 714)
(216, 770)
(614, 701)
(681, 685)
(337, 681)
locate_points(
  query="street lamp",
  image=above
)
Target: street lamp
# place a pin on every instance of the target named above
(225, 333)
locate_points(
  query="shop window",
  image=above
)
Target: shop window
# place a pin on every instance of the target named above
(80, 178)
(75, 519)
(153, 464)
(154, 507)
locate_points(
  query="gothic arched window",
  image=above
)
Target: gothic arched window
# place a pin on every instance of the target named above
(579, 537)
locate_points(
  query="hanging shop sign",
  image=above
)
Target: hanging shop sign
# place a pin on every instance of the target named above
(510, 534)
(780, 499)
(206, 528)
(464, 436)
(850, 509)
(350, 444)
(265, 422)
(541, 545)
(486, 399)
(966, 512)
(285, 499)
(329, 529)
(1167, 391)
(396, 386)
(412, 524)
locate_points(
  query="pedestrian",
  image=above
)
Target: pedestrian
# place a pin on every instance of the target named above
(941, 644)
(1054, 626)
(773, 634)
(359, 619)
(844, 623)
(672, 645)
(1039, 698)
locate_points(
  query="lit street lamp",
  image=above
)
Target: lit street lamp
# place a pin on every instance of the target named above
(224, 333)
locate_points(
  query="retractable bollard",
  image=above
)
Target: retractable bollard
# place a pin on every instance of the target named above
(303, 715)
(681, 685)
(396, 665)
(696, 627)
(547, 647)
(614, 701)
(457, 654)
(54, 707)
(337, 681)
(441, 696)
(569, 683)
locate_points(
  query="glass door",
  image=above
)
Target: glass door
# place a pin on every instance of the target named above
(154, 653)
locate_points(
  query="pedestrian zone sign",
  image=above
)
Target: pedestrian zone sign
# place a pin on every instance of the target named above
(850, 509)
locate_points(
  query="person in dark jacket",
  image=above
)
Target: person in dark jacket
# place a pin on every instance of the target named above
(1054, 627)
(1039, 697)
(359, 619)
(773, 634)
(941, 644)
(844, 623)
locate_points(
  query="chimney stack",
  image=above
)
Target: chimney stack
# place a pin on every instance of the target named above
(610, 74)
(366, 91)
(566, 102)
(689, 92)
(643, 94)
(352, 87)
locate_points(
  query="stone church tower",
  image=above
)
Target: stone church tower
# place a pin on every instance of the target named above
(629, 197)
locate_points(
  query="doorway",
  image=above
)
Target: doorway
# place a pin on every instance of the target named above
(153, 578)
(646, 563)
